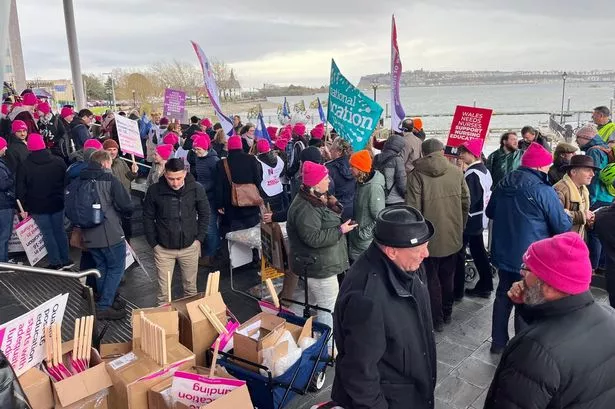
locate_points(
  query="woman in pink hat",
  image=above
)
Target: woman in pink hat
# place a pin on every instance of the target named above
(317, 238)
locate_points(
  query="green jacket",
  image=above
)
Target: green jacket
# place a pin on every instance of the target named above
(500, 163)
(313, 230)
(369, 200)
(438, 189)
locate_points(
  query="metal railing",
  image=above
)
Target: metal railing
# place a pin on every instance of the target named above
(46, 271)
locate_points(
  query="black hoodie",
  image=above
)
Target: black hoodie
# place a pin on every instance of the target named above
(40, 183)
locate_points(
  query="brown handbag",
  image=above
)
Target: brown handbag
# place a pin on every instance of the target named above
(242, 194)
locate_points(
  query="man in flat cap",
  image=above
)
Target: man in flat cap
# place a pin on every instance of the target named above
(382, 323)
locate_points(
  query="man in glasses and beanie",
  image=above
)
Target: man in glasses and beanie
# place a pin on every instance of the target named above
(564, 358)
(382, 322)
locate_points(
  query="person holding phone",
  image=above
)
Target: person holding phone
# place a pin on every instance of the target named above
(316, 231)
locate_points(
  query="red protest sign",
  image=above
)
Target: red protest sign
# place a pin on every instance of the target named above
(468, 123)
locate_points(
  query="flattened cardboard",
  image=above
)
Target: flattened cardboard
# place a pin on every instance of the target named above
(79, 387)
(248, 348)
(236, 399)
(195, 330)
(37, 387)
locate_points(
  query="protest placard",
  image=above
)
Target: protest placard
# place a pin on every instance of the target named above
(129, 136)
(22, 340)
(174, 104)
(32, 241)
(468, 123)
(130, 258)
(353, 115)
(14, 243)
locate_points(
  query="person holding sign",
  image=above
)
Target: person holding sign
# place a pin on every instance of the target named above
(7, 203)
(40, 188)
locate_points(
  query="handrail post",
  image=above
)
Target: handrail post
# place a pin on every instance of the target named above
(46, 271)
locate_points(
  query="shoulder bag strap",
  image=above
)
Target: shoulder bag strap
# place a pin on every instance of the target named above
(227, 171)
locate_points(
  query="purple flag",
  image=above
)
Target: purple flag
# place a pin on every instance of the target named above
(397, 112)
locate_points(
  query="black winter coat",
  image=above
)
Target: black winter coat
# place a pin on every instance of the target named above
(40, 183)
(175, 218)
(7, 187)
(244, 169)
(344, 184)
(384, 335)
(563, 360)
(16, 153)
(205, 169)
(604, 226)
(187, 135)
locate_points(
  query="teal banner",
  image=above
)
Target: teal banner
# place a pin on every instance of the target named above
(353, 115)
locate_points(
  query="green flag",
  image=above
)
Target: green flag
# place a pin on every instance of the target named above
(353, 114)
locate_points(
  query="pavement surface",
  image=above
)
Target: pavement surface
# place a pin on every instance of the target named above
(465, 365)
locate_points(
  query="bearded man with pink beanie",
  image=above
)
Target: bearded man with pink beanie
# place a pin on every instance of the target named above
(564, 358)
(524, 209)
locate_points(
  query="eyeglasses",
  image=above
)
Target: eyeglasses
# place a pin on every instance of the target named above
(525, 267)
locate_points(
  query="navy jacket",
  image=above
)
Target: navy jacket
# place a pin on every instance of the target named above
(344, 184)
(40, 183)
(206, 173)
(524, 209)
(79, 132)
(7, 187)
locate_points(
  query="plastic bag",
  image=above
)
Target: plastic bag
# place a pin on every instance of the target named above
(281, 365)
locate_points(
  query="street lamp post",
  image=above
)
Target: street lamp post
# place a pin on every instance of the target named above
(375, 86)
(134, 98)
(564, 76)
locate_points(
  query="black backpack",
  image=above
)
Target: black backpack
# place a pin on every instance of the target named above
(82, 204)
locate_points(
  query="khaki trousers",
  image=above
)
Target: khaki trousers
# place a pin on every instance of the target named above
(188, 260)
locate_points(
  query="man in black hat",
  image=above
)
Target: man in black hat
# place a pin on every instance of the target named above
(573, 193)
(382, 321)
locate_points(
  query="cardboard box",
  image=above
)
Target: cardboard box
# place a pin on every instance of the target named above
(87, 389)
(260, 332)
(195, 331)
(37, 387)
(159, 395)
(109, 352)
(135, 373)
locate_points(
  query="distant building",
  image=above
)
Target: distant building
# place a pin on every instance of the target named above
(61, 91)
(229, 88)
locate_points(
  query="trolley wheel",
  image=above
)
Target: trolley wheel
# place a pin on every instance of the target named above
(318, 382)
(470, 272)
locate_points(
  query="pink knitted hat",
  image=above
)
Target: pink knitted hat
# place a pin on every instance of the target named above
(318, 132)
(536, 156)
(35, 142)
(3, 143)
(272, 131)
(262, 146)
(66, 111)
(281, 144)
(234, 143)
(170, 139)
(164, 151)
(201, 141)
(206, 122)
(44, 108)
(93, 144)
(561, 261)
(474, 146)
(29, 99)
(313, 173)
(299, 129)
(19, 125)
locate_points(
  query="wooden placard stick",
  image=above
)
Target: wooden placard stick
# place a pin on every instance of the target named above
(169, 287)
(74, 360)
(214, 359)
(215, 288)
(215, 322)
(48, 356)
(208, 286)
(82, 341)
(142, 330)
(88, 345)
(163, 339)
(21, 210)
(272, 292)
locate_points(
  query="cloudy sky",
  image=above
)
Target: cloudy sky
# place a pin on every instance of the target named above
(285, 41)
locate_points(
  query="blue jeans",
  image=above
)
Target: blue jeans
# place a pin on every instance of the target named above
(213, 235)
(56, 240)
(502, 307)
(110, 261)
(6, 229)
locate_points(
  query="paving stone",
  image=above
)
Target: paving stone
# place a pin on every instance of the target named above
(443, 370)
(479, 403)
(484, 354)
(443, 405)
(457, 392)
(452, 354)
(475, 371)
(467, 335)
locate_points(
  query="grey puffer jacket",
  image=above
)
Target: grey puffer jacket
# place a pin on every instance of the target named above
(391, 164)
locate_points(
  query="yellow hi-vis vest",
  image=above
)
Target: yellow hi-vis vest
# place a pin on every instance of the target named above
(606, 131)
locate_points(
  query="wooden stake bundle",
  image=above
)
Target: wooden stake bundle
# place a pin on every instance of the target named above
(217, 324)
(213, 284)
(153, 340)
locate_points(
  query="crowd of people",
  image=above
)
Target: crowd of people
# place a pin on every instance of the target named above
(382, 235)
